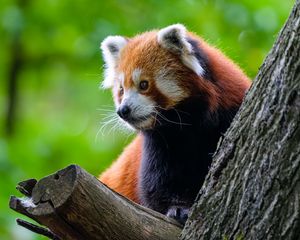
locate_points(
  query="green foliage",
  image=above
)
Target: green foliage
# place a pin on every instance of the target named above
(57, 118)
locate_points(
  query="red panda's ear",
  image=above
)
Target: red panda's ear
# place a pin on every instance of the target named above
(111, 48)
(174, 39)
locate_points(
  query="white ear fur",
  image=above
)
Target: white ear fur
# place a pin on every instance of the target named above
(174, 39)
(111, 48)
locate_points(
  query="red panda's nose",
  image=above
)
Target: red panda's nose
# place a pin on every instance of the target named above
(124, 112)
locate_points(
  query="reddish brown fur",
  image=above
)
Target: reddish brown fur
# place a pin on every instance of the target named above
(122, 176)
(231, 80)
(144, 52)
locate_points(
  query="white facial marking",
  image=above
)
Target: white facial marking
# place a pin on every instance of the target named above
(141, 106)
(136, 75)
(166, 83)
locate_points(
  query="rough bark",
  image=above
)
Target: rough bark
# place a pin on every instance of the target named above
(75, 205)
(253, 188)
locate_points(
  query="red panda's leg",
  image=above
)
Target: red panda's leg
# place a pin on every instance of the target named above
(122, 176)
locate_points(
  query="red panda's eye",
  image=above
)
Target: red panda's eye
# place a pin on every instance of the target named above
(121, 90)
(144, 85)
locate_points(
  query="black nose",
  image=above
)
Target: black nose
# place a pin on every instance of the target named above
(124, 112)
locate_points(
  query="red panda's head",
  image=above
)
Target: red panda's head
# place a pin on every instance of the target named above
(153, 71)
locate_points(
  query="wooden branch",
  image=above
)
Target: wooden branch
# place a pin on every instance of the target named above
(37, 229)
(75, 205)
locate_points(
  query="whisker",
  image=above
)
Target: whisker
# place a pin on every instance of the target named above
(177, 112)
(172, 108)
(112, 129)
(155, 117)
(179, 118)
(108, 116)
(105, 110)
(168, 120)
(110, 119)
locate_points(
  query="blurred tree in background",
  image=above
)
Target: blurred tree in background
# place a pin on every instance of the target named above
(51, 107)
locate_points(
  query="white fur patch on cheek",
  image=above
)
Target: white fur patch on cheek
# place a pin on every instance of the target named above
(145, 106)
(168, 86)
(140, 105)
(142, 108)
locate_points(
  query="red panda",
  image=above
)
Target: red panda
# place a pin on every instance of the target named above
(181, 95)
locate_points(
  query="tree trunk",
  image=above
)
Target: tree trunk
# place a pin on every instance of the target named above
(253, 188)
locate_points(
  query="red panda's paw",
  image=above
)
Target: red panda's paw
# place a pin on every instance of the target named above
(179, 213)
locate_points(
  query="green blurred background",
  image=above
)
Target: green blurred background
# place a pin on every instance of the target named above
(51, 68)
